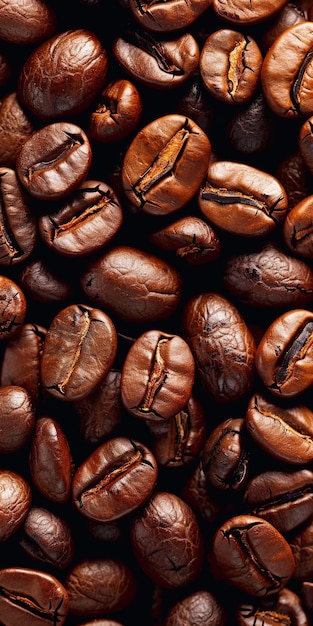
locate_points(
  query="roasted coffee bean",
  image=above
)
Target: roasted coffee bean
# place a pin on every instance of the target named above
(157, 376)
(117, 478)
(117, 113)
(237, 12)
(79, 60)
(54, 161)
(230, 66)
(287, 16)
(167, 541)
(297, 228)
(301, 543)
(50, 460)
(198, 607)
(18, 232)
(71, 367)
(191, 238)
(89, 597)
(154, 62)
(286, 608)
(294, 176)
(305, 143)
(179, 440)
(30, 25)
(133, 284)
(34, 596)
(85, 223)
(165, 164)
(222, 345)
(252, 555)
(13, 308)
(44, 284)
(269, 277)
(15, 127)
(17, 418)
(15, 502)
(250, 130)
(241, 199)
(169, 17)
(285, 499)
(286, 78)
(284, 356)
(286, 433)
(225, 455)
(47, 538)
(21, 360)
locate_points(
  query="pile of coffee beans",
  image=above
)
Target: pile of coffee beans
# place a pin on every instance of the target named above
(156, 313)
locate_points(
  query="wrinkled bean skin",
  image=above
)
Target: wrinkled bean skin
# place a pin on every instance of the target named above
(159, 17)
(54, 161)
(17, 418)
(15, 501)
(27, 23)
(88, 597)
(241, 199)
(208, 325)
(157, 376)
(77, 57)
(135, 285)
(70, 369)
(237, 549)
(167, 541)
(117, 478)
(34, 596)
(50, 460)
(198, 608)
(15, 127)
(284, 356)
(13, 308)
(47, 537)
(286, 433)
(174, 154)
(284, 499)
(301, 544)
(269, 277)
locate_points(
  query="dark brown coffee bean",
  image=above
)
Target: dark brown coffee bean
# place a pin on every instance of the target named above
(286, 433)
(242, 12)
(230, 66)
(43, 283)
(117, 113)
(133, 284)
(155, 62)
(167, 17)
(251, 128)
(21, 360)
(18, 232)
(284, 356)
(285, 499)
(200, 607)
(193, 240)
(54, 161)
(286, 78)
(285, 608)
(117, 478)
(241, 199)
(165, 164)
(301, 544)
(269, 277)
(17, 418)
(33, 596)
(30, 24)
(222, 345)
(294, 176)
(225, 455)
(15, 502)
(167, 541)
(47, 538)
(89, 597)
(157, 376)
(13, 308)
(79, 351)
(76, 66)
(15, 127)
(50, 460)
(252, 555)
(298, 230)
